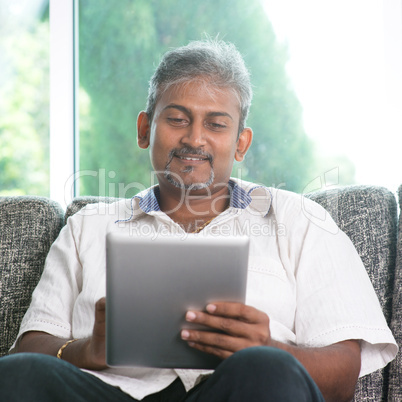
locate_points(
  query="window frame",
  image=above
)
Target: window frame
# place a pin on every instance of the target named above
(63, 76)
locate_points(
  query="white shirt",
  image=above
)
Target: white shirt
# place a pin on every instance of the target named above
(303, 272)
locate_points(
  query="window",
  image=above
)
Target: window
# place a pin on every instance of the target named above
(24, 97)
(119, 45)
(322, 112)
(326, 76)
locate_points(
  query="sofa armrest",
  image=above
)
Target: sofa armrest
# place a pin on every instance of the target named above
(395, 373)
(368, 215)
(28, 227)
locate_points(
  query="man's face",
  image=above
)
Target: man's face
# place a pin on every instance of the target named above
(193, 136)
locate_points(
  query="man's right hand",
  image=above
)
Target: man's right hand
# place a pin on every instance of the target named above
(88, 353)
(97, 344)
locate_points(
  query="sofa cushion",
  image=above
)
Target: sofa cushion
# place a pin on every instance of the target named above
(368, 215)
(80, 202)
(28, 227)
(395, 374)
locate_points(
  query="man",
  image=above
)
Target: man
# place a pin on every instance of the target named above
(311, 323)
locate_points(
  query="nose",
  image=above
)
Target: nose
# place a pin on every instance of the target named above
(195, 135)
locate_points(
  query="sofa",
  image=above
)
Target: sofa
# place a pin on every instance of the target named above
(367, 214)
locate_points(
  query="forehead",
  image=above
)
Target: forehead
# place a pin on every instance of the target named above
(199, 95)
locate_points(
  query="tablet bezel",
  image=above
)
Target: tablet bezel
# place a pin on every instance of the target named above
(201, 269)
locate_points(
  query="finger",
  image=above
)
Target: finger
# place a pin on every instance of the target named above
(254, 334)
(216, 341)
(223, 354)
(100, 310)
(233, 326)
(238, 311)
(230, 326)
(100, 305)
(100, 318)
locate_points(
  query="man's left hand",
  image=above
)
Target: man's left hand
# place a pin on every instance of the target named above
(243, 327)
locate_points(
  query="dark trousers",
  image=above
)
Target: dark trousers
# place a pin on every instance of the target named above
(253, 374)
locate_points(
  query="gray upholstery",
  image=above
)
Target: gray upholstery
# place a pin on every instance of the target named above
(80, 202)
(395, 375)
(28, 227)
(368, 215)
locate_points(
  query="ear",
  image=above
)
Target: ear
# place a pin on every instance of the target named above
(243, 143)
(143, 130)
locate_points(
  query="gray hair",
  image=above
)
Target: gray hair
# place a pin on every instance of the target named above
(217, 62)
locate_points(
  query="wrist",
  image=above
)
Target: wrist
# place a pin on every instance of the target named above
(59, 354)
(94, 359)
(75, 351)
(81, 353)
(280, 345)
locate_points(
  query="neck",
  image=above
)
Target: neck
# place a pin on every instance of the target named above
(192, 210)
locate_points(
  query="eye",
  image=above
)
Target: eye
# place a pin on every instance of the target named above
(216, 126)
(176, 122)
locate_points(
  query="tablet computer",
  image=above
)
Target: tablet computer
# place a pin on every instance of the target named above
(152, 283)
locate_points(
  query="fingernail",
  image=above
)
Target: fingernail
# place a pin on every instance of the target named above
(190, 316)
(185, 334)
(211, 308)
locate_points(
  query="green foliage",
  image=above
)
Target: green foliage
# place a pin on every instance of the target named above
(121, 42)
(24, 110)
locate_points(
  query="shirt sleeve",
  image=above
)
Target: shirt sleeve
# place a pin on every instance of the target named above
(53, 299)
(335, 298)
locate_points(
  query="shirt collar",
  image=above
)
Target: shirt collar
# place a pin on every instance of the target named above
(150, 201)
(246, 194)
(242, 195)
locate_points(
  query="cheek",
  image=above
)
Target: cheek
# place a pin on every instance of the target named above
(226, 153)
(162, 139)
(223, 162)
(157, 143)
(159, 153)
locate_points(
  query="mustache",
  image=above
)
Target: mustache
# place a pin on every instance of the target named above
(189, 150)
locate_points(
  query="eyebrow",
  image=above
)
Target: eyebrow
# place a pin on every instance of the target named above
(188, 112)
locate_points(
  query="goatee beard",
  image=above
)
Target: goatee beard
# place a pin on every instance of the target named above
(176, 180)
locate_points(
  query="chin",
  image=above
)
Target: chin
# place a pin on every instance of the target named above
(192, 185)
